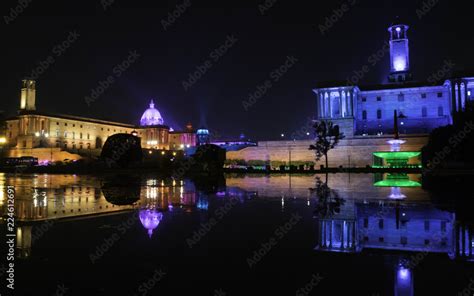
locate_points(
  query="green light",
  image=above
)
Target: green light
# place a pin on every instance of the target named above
(397, 183)
(399, 155)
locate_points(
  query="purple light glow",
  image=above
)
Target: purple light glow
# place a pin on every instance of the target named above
(151, 116)
(150, 219)
(398, 29)
(403, 274)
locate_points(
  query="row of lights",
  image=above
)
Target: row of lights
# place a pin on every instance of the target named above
(283, 135)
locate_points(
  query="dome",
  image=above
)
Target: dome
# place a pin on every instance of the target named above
(151, 116)
(150, 219)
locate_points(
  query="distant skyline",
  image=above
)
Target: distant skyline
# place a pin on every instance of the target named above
(203, 64)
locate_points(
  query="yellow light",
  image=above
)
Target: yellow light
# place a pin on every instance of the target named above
(3, 140)
(150, 152)
(174, 153)
(162, 153)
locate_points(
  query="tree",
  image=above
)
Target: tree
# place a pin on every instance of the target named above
(327, 137)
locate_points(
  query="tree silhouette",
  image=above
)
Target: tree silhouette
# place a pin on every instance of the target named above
(327, 137)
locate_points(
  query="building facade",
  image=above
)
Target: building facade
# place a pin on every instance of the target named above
(56, 137)
(368, 110)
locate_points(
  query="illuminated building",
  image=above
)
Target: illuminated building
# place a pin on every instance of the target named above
(55, 137)
(367, 110)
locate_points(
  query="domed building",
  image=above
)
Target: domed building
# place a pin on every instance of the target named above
(151, 116)
(55, 137)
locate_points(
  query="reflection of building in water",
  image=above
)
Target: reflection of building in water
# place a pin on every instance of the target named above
(41, 199)
(349, 186)
(389, 226)
(464, 241)
(150, 219)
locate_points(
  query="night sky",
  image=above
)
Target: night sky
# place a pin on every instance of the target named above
(258, 44)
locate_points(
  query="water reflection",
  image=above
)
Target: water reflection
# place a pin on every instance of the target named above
(352, 212)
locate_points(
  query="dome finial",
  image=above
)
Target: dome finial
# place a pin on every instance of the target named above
(152, 104)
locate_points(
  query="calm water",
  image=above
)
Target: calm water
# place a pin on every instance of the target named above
(357, 234)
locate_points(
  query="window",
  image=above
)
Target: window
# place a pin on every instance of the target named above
(81, 126)
(403, 240)
(364, 99)
(379, 114)
(379, 99)
(427, 225)
(366, 238)
(366, 222)
(102, 129)
(440, 95)
(73, 135)
(57, 133)
(440, 111)
(427, 241)
(57, 123)
(80, 136)
(88, 137)
(443, 226)
(65, 124)
(423, 96)
(381, 223)
(80, 146)
(381, 239)
(73, 146)
(401, 97)
(364, 115)
(424, 112)
(65, 145)
(73, 125)
(65, 134)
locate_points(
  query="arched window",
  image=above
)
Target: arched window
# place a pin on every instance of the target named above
(379, 114)
(424, 112)
(440, 111)
(364, 115)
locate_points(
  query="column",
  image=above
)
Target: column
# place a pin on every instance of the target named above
(459, 105)
(343, 103)
(330, 233)
(464, 94)
(352, 103)
(328, 100)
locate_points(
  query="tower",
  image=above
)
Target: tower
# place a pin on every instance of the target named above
(399, 53)
(28, 95)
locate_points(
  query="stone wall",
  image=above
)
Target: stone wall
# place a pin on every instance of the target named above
(354, 152)
(43, 154)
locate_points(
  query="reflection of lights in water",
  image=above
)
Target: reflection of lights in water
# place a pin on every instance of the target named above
(151, 192)
(403, 214)
(308, 202)
(220, 193)
(174, 183)
(150, 219)
(202, 203)
(2, 196)
(403, 273)
(396, 193)
(282, 202)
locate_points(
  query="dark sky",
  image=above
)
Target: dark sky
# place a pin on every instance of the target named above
(167, 57)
